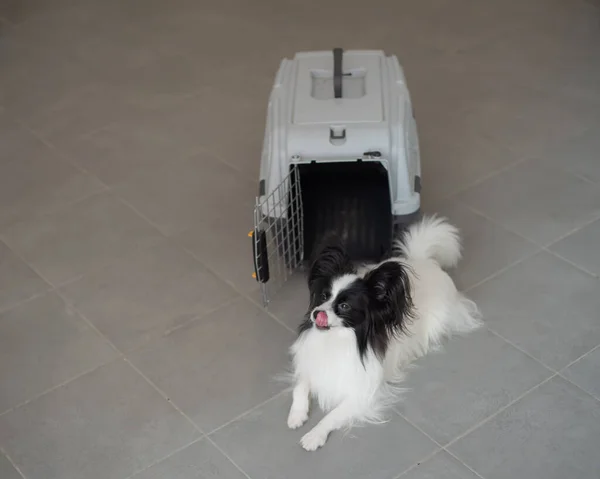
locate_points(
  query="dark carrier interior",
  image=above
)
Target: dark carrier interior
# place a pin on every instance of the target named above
(351, 200)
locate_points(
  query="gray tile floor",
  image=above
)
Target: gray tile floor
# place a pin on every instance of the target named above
(132, 342)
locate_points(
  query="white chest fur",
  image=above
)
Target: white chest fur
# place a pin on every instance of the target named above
(330, 363)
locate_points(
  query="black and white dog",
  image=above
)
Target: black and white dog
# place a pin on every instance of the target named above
(366, 324)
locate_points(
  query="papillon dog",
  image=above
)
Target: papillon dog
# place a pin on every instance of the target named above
(365, 324)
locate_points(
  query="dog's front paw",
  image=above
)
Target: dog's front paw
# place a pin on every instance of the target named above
(296, 418)
(314, 439)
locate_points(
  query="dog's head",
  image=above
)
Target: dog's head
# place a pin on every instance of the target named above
(375, 305)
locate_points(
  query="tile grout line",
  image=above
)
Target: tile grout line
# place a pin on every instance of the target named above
(197, 150)
(70, 305)
(521, 350)
(578, 359)
(168, 456)
(91, 325)
(269, 313)
(460, 461)
(59, 152)
(12, 463)
(397, 411)
(543, 247)
(121, 355)
(561, 372)
(440, 447)
(58, 386)
(248, 411)
(485, 177)
(165, 397)
(418, 463)
(186, 250)
(203, 435)
(188, 322)
(585, 391)
(216, 446)
(238, 291)
(575, 265)
(571, 232)
(540, 249)
(501, 271)
(116, 349)
(22, 302)
(58, 211)
(555, 372)
(497, 223)
(124, 358)
(498, 412)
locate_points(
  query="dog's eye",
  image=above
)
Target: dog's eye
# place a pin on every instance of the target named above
(344, 306)
(324, 296)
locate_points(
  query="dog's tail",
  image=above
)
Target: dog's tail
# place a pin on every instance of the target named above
(431, 238)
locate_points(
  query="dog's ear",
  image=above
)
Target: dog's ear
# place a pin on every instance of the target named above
(331, 260)
(388, 282)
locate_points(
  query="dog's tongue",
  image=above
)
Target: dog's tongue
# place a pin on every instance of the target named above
(321, 319)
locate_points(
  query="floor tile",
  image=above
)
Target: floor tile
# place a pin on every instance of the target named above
(551, 433)
(198, 461)
(290, 302)
(38, 80)
(7, 471)
(179, 195)
(578, 155)
(119, 150)
(116, 51)
(17, 142)
(41, 185)
(18, 281)
(518, 120)
(52, 30)
(263, 446)
(234, 130)
(582, 248)
(42, 344)
(222, 244)
(80, 238)
(544, 306)
(585, 373)
(536, 201)
(192, 31)
(487, 247)
(163, 80)
(442, 465)
(81, 111)
(86, 430)
(444, 383)
(451, 164)
(218, 367)
(545, 50)
(139, 298)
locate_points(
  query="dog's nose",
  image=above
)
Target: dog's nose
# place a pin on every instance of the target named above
(316, 313)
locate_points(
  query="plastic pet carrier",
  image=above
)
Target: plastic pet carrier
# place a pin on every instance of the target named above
(340, 155)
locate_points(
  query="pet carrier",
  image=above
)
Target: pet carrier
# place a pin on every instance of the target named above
(340, 155)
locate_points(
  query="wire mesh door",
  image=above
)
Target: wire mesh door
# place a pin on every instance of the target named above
(278, 235)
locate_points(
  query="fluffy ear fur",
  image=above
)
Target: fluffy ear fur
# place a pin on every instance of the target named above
(390, 301)
(330, 261)
(387, 281)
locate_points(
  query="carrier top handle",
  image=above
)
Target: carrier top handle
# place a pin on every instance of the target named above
(338, 74)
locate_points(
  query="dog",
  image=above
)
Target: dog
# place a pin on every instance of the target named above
(366, 324)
